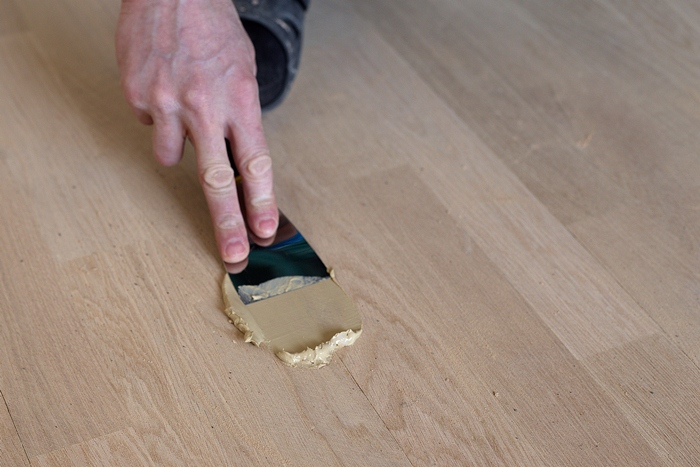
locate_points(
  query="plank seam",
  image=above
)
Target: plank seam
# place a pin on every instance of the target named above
(376, 412)
(14, 425)
(609, 393)
(632, 297)
(560, 138)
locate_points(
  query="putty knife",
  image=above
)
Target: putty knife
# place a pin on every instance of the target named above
(289, 256)
(286, 300)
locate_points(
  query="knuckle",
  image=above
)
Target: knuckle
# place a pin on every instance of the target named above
(196, 97)
(247, 91)
(218, 178)
(132, 92)
(163, 101)
(258, 166)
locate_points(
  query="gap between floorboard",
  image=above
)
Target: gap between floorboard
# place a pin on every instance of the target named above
(14, 426)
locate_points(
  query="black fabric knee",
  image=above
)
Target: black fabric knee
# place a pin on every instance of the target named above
(275, 28)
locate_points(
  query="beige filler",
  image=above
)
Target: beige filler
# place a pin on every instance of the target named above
(303, 327)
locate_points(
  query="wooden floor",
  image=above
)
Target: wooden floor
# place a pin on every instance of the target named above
(509, 190)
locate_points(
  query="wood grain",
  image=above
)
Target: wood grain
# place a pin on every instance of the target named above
(119, 448)
(110, 341)
(561, 280)
(655, 385)
(594, 107)
(471, 350)
(507, 190)
(11, 450)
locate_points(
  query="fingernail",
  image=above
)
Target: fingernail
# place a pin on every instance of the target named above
(235, 251)
(267, 227)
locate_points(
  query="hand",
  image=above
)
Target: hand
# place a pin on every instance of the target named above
(188, 68)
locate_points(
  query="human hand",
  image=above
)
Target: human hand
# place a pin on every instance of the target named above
(188, 68)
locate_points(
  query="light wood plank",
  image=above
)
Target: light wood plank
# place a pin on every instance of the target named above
(507, 189)
(11, 20)
(69, 169)
(565, 285)
(11, 450)
(77, 36)
(654, 226)
(11, 453)
(662, 278)
(594, 107)
(656, 386)
(481, 360)
(120, 448)
(7, 428)
(120, 334)
(192, 387)
(36, 329)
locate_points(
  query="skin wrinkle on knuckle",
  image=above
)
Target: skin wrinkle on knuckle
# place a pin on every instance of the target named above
(229, 222)
(261, 202)
(218, 179)
(258, 167)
